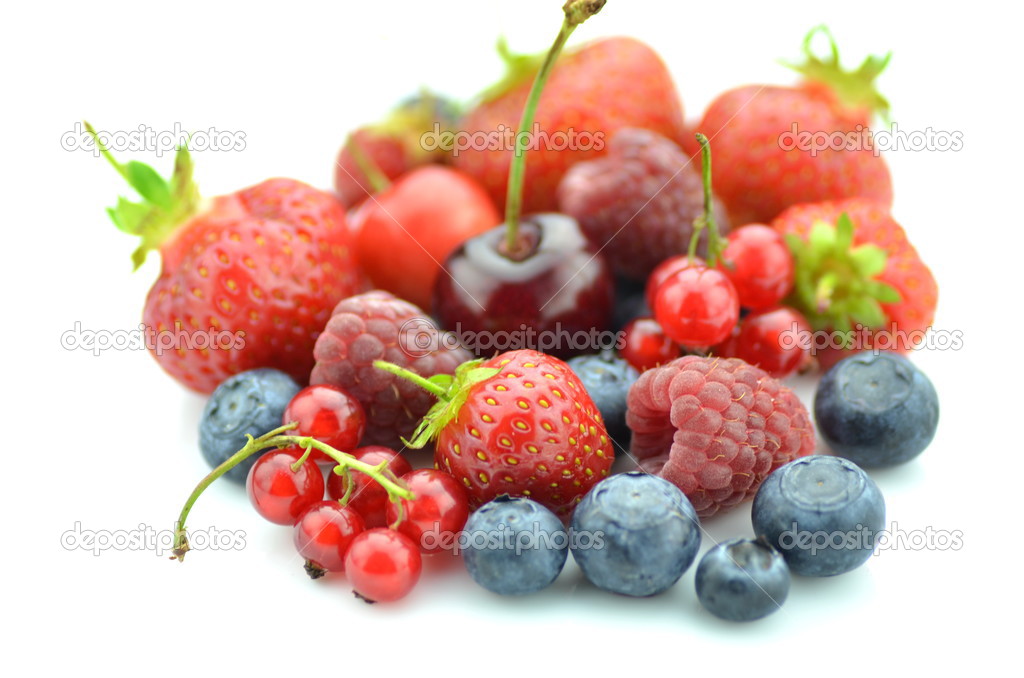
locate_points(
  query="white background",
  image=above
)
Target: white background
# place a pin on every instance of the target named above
(110, 441)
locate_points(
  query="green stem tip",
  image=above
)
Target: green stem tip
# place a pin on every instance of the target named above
(706, 221)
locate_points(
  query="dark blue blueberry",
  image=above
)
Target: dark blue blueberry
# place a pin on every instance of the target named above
(822, 513)
(742, 580)
(876, 410)
(630, 303)
(634, 534)
(607, 379)
(514, 546)
(250, 402)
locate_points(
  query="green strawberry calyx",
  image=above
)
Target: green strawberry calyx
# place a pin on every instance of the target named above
(165, 203)
(855, 89)
(452, 392)
(835, 284)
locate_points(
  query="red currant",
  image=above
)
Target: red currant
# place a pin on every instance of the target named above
(759, 265)
(776, 340)
(383, 565)
(323, 535)
(441, 507)
(279, 493)
(368, 498)
(697, 306)
(645, 344)
(328, 414)
(664, 271)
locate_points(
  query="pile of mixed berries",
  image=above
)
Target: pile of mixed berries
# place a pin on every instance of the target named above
(359, 319)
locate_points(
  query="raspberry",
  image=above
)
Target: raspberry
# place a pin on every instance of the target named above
(715, 428)
(379, 326)
(642, 196)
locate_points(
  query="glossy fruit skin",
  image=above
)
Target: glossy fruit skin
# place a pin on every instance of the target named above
(323, 534)
(441, 507)
(776, 340)
(697, 306)
(649, 534)
(759, 265)
(513, 546)
(329, 414)
(256, 274)
(607, 380)
(404, 234)
(742, 580)
(531, 430)
(822, 513)
(583, 95)
(249, 402)
(645, 345)
(561, 288)
(279, 494)
(368, 498)
(383, 565)
(876, 410)
(665, 270)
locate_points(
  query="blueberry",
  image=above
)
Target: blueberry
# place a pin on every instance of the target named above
(822, 513)
(876, 410)
(250, 402)
(607, 379)
(742, 580)
(630, 302)
(634, 534)
(514, 546)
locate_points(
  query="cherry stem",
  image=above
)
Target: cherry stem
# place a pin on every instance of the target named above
(395, 488)
(374, 175)
(576, 12)
(707, 219)
(425, 384)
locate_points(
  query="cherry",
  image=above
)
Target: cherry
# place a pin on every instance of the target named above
(441, 507)
(666, 270)
(368, 498)
(645, 344)
(406, 232)
(323, 535)
(329, 414)
(776, 340)
(759, 265)
(280, 488)
(383, 565)
(697, 306)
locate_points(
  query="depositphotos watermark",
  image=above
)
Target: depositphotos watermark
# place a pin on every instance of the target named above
(145, 337)
(147, 538)
(417, 337)
(503, 537)
(861, 138)
(145, 139)
(507, 139)
(861, 338)
(861, 538)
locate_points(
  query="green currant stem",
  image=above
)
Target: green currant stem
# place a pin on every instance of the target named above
(425, 384)
(706, 220)
(374, 175)
(395, 489)
(576, 12)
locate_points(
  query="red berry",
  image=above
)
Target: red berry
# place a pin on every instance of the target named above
(328, 414)
(368, 498)
(441, 507)
(280, 494)
(323, 535)
(777, 341)
(697, 306)
(383, 565)
(664, 271)
(759, 265)
(645, 344)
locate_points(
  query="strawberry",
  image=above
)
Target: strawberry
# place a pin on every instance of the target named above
(583, 100)
(248, 279)
(855, 266)
(765, 159)
(520, 424)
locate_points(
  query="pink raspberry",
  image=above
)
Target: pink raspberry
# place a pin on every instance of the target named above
(638, 202)
(379, 326)
(715, 428)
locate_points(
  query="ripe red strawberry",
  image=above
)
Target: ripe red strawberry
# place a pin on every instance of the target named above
(855, 266)
(248, 280)
(593, 91)
(715, 428)
(520, 424)
(763, 164)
